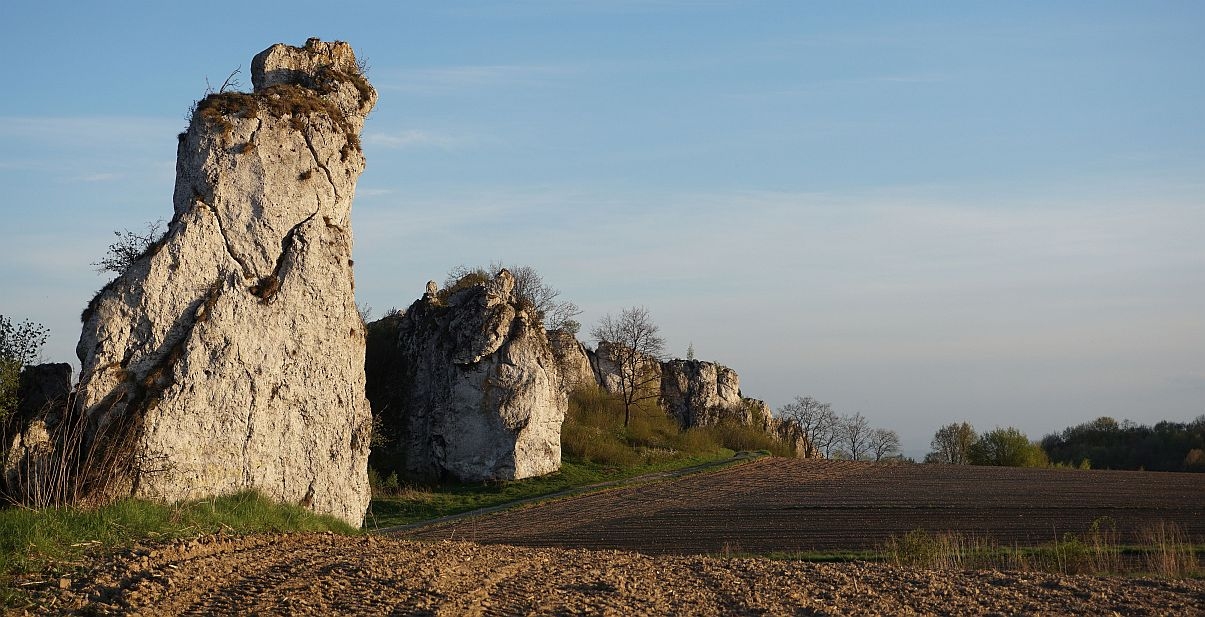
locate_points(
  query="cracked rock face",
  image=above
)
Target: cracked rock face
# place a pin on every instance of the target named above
(605, 363)
(466, 386)
(230, 356)
(573, 360)
(701, 393)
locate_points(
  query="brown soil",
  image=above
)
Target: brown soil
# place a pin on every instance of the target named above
(775, 505)
(327, 575)
(768, 505)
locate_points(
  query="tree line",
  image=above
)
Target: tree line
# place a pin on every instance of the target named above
(833, 435)
(959, 444)
(1103, 443)
(1108, 444)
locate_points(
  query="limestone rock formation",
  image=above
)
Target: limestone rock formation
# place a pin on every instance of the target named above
(27, 444)
(757, 413)
(573, 360)
(605, 362)
(230, 355)
(790, 433)
(466, 386)
(700, 393)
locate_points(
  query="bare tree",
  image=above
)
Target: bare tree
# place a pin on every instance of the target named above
(365, 311)
(883, 443)
(632, 343)
(530, 286)
(854, 433)
(828, 431)
(952, 444)
(815, 419)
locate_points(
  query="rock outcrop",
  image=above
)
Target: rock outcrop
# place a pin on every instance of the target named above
(44, 390)
(790, 433)
(466, 386)
(693, 392)
(700, 393)
(230, 355)
(606, 360)
(573, 360)
(27, 436)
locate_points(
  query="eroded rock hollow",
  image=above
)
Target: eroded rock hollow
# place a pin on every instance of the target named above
(231, 354)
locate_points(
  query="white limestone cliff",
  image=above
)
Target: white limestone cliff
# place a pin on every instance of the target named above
(230, 356)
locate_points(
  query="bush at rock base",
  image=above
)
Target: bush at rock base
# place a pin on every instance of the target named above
(593, 431)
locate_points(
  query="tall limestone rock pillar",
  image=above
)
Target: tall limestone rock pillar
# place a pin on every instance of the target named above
(231, 354)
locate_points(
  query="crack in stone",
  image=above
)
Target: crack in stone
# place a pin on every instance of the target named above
(317, 161)
(226, 240)
(269, 286)
(250, 429)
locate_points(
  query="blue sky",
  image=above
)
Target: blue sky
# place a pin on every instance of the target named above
(923, 212)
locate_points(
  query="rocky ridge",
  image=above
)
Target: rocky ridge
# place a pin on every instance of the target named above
(700, 393)
(694, 392)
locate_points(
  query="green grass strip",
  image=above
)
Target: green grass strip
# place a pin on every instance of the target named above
(413, 505)
(52, 540)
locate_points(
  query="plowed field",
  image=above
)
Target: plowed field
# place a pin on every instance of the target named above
(767, 505)
(778, 505)
(335, 575)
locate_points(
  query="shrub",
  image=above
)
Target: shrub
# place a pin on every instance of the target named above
(20, 344)
(463, 280)
(742, 437)
(593, 431)
(1007, 448)
(130, 247)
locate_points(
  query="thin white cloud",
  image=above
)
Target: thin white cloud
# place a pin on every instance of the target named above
(919, 78)
(110, 131)
(413, 138)
(369, 193)
(831, 86)
(542, 8)
(443, 80)
(98, 177)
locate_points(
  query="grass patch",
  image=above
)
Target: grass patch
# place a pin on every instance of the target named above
(1161, 549)
(411, 504)
(52, 540)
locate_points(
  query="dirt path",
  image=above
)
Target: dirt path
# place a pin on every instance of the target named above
(327, 574)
